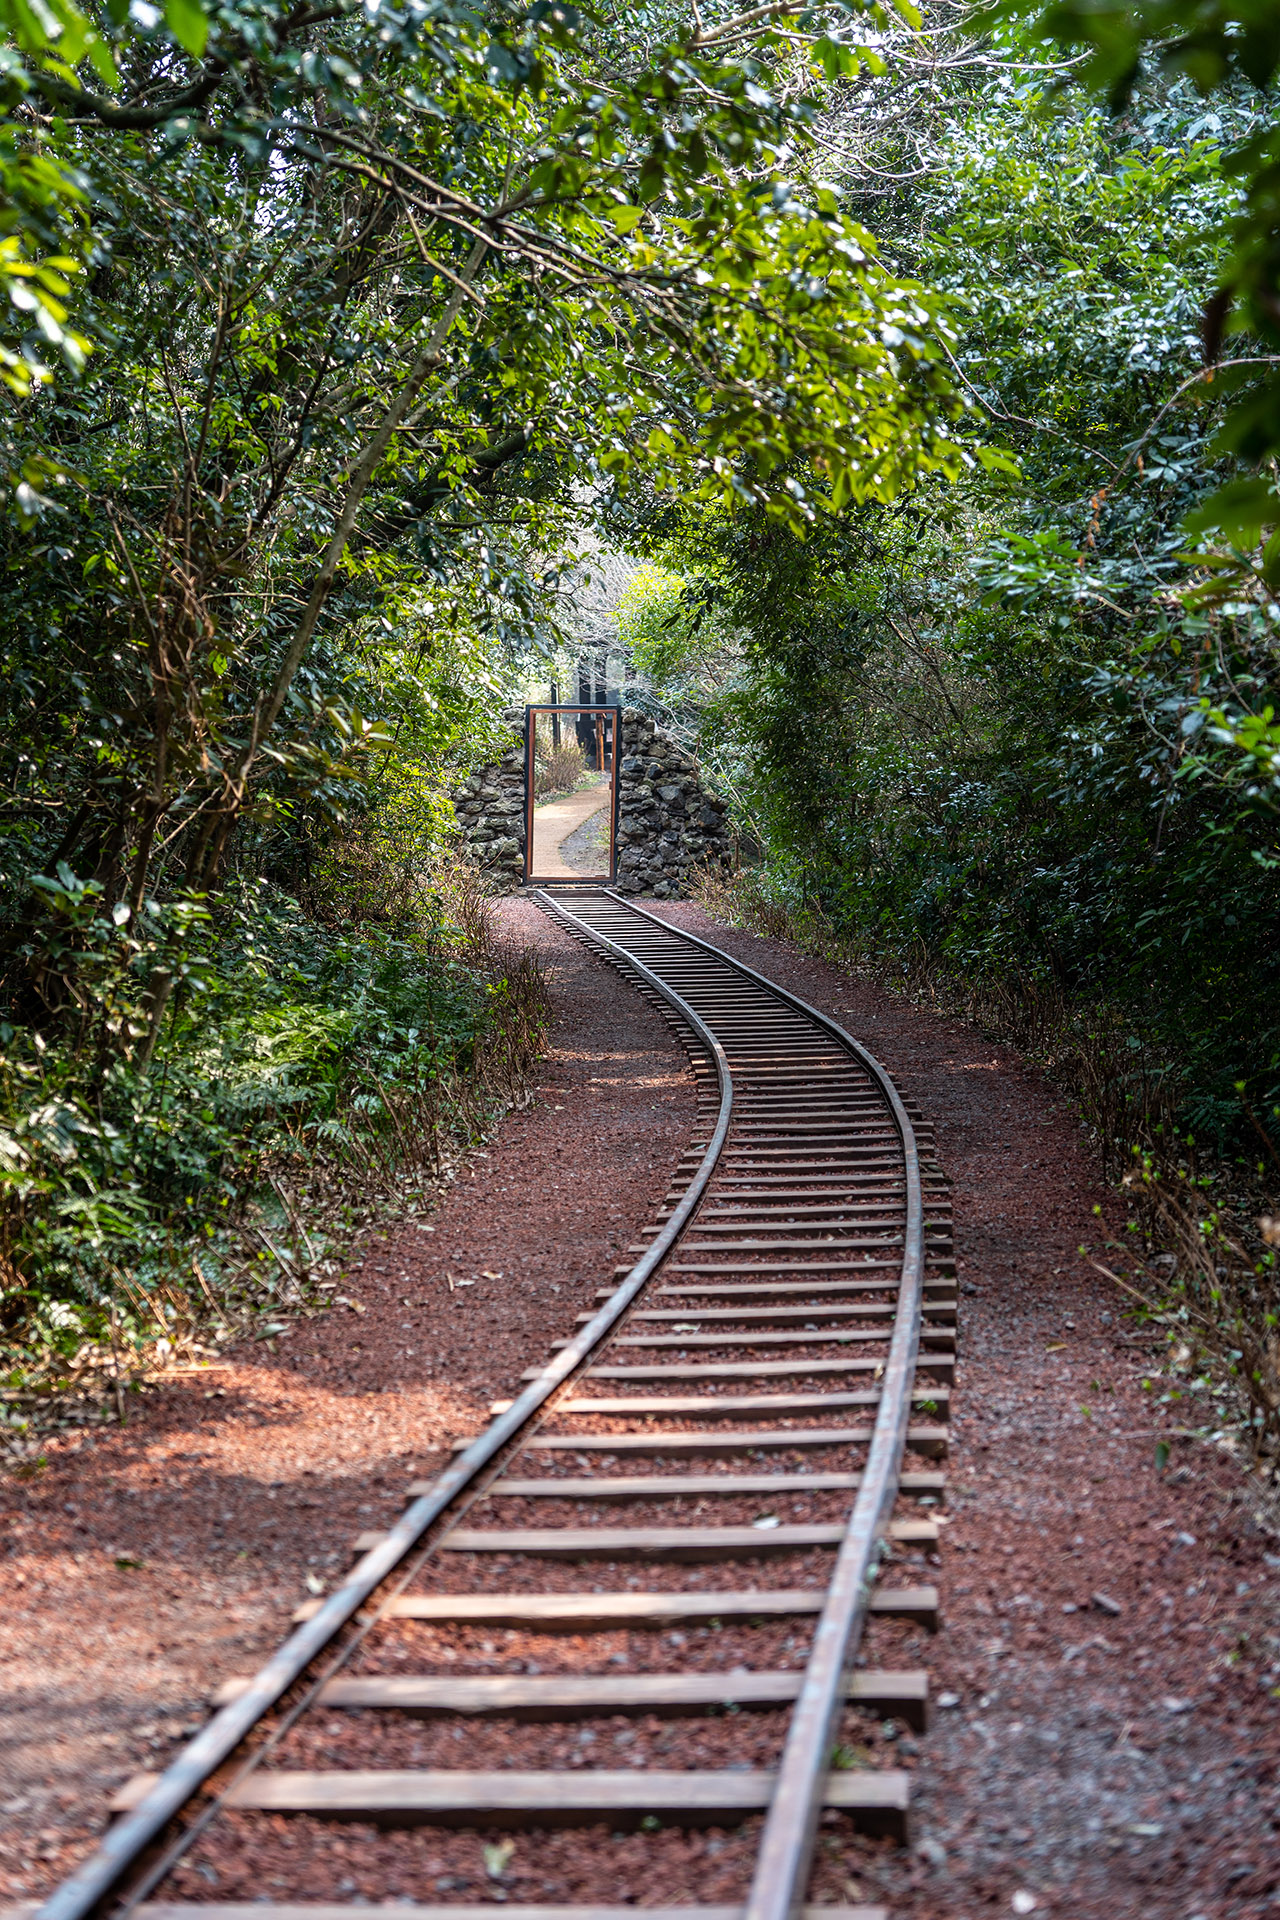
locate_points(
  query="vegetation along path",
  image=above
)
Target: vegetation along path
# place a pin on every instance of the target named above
(880, 406)
(1104, 1736)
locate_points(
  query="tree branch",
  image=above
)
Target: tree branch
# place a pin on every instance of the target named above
(362, 474)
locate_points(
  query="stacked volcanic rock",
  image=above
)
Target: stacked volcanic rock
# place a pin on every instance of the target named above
(490, 813)
(668, 822)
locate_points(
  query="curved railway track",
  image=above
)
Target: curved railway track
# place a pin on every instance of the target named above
(728, 1463)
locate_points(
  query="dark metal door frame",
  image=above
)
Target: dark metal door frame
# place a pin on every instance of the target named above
(611, 714)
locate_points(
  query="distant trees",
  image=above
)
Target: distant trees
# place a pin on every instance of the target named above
(1024, 725)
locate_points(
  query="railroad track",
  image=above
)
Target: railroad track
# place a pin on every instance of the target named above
(688, 1531)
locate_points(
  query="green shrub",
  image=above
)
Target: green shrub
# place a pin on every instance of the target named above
(285, 1048)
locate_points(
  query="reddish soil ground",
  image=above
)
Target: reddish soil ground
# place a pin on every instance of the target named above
(1106, 1730)
(1103, 1758)
(144, 1565)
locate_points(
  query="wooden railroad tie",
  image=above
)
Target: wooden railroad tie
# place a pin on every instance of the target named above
(592, 1612)
(657, 1543)
(408, 1910)
(782, 1314)
(929, 1440)
(877, 1800)
(702, 1486)
(556, 1696)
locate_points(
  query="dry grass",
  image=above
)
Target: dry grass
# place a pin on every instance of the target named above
(557, 769)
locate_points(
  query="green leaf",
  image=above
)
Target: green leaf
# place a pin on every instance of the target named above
(188, 25)
(837, 61)
(1271, 560)
(1240, 510)
(99, 55)
(998, 460)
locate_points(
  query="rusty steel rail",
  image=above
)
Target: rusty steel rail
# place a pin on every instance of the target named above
(797, 1218)
(126, 1843)
(786, 1848)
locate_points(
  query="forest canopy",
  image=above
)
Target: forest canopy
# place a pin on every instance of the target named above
(929, 363)
(1022, 727)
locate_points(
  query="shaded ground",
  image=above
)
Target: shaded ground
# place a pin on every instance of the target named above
(142, 1567)
(586, 849)
(1105, 1742)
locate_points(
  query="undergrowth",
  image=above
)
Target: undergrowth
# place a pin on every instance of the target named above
(1201, 1254)
(320, 1062)
(557, 768)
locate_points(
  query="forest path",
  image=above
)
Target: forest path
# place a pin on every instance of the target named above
(555, 821)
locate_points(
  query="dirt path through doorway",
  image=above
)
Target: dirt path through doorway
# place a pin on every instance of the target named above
(554, 821)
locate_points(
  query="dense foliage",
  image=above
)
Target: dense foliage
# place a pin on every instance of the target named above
(1016, 724)
(932, 364)
(322, 324)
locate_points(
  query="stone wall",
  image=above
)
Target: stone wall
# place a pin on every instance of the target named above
(668, 821)
(490, 813)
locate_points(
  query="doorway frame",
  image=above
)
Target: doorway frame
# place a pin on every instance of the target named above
(558, 708)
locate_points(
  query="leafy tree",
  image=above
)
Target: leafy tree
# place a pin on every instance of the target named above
(1000, 721)
(325, 322)
(371, 287)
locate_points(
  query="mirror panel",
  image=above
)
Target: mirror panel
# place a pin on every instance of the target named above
(574, 775)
